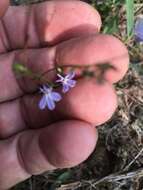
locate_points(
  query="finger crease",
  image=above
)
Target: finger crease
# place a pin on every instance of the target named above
(45, 157)
(20, 157)
(8, 47)
(28, 19)
(25, 117)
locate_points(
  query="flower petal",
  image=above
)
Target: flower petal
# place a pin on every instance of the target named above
(41, 90)
(42, 103)
(50, 103)
(59, 80)
(56, 96)
(71, 83)
(66, 88)
(60, 76)
(70, 75)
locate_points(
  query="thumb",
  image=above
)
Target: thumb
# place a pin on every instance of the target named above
(3, 7)
(60, 145)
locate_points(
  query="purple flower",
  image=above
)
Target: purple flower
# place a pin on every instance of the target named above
(67, 81)
(49, 98)
(139, 29)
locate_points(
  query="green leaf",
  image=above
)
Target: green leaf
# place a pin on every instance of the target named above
(130, 17)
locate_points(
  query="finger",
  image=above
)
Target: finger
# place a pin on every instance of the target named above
(11, 119)
(44, 23)
(58, 146)
(87, 50)
(96, 49)
(87, 101)
(3, 7)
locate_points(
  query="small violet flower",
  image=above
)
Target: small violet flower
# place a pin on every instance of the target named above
(67, 81)
(139, 29)
(49, 98)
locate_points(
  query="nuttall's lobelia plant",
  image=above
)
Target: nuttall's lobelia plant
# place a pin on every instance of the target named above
(64, 79)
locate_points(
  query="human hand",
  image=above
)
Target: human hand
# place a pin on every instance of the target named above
(33, 141)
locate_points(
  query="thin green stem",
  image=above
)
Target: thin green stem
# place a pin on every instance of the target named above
(98, 70)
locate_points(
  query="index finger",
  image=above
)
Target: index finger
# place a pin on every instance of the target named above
(47, 23)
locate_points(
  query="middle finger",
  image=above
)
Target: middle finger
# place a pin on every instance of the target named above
(88, 101)
(91, 50)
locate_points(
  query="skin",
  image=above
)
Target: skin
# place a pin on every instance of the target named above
(62, 134)
(3, 6)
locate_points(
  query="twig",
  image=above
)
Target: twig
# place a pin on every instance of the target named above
(136, 157)
(113, 178)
